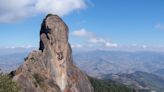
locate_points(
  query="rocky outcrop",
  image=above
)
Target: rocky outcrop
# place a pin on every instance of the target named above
(51, 69)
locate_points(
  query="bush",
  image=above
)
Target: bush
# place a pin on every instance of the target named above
(7, 85)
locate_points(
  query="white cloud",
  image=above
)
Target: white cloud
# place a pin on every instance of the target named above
(102, 41)
(60, 7)
(76, 46)
(159, 26)
(97, 40)
(144, 46)
(108, 44)
(82, 33)
(27, 46)
(14, 10)
(92, 39)
(134, 45)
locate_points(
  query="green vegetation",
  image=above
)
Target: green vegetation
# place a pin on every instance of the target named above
(102, 86)
(7, 85)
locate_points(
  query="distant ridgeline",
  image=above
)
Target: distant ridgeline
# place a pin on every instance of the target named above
(140, 81)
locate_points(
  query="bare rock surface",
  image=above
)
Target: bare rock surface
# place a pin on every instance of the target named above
(51, 69)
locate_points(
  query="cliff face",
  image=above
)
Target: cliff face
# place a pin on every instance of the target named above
(51, 69)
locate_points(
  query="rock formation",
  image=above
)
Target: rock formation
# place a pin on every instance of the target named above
(51, 69)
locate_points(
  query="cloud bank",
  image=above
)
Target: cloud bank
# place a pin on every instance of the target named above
(14, 10)
(92, 39)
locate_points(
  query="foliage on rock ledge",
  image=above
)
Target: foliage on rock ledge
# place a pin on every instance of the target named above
(6, 84)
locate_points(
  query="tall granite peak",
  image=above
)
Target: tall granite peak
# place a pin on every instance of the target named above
(51, 69)
(54, 29)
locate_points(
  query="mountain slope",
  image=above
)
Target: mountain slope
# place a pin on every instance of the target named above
(139, 81)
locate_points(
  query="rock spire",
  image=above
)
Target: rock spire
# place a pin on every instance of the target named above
(51, 69)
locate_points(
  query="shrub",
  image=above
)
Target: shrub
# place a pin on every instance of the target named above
(7, 85)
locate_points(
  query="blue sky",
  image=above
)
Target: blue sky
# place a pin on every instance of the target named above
(94, 23)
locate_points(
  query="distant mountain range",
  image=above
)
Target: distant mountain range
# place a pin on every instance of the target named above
(140, 81)
(142, 70)
(98, 63)
(11, 58)
(11, 61)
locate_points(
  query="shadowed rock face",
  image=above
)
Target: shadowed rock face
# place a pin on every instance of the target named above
(51, 69)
